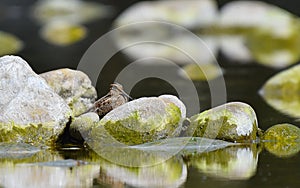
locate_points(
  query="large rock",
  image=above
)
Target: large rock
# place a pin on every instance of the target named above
(74, 87)
(233, 121)
(139, 121)
(30, 111)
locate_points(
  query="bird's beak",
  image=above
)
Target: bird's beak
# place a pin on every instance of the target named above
(126, 95)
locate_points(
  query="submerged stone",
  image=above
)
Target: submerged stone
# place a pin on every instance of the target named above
(74, 87)
(282, 91)
(141, 120)
(30, 111)
(233, 121)
(282, 140)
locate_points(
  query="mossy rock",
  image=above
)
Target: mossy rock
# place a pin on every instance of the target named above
(140, 121)
(282, 140)
(235, 122)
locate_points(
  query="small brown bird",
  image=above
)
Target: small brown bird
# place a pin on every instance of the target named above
(114, 98)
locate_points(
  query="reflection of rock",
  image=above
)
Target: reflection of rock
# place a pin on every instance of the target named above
(282, 91)
(74, 87)
(282, 140)
(142, 120)
(234, 163)
(170, 173)
(17, 150)
(234, 121)
(30, 110)
(48, 176)
(9, 44)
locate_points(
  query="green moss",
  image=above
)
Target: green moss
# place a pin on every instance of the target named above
(36, 134)
(134, 130)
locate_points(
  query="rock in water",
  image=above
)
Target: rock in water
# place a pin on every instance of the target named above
(30, 111)
(74, 87)
(139, 121)
(282, 140)
(233, 121)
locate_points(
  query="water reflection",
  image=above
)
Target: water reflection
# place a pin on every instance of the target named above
(85, 168)
(234, 163)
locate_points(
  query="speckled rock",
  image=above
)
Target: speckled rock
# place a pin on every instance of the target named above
(233, 121)
(30, 111)
(74, 87)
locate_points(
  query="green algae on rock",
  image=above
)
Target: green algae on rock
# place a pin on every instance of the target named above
(141, 120)
(30, 111)
(282, 91)
(233, 121)
(282, 140)
(9, 44)
(74, 87)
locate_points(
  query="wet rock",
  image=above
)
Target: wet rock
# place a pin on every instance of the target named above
(282, 91)
(74, 87)
(80, 126)
(282, 140)
(30, 111)
(233, 121)
(139, 121)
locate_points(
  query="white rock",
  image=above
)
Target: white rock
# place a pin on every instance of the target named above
(27, 99)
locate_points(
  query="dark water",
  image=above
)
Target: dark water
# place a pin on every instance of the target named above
(242, 84)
